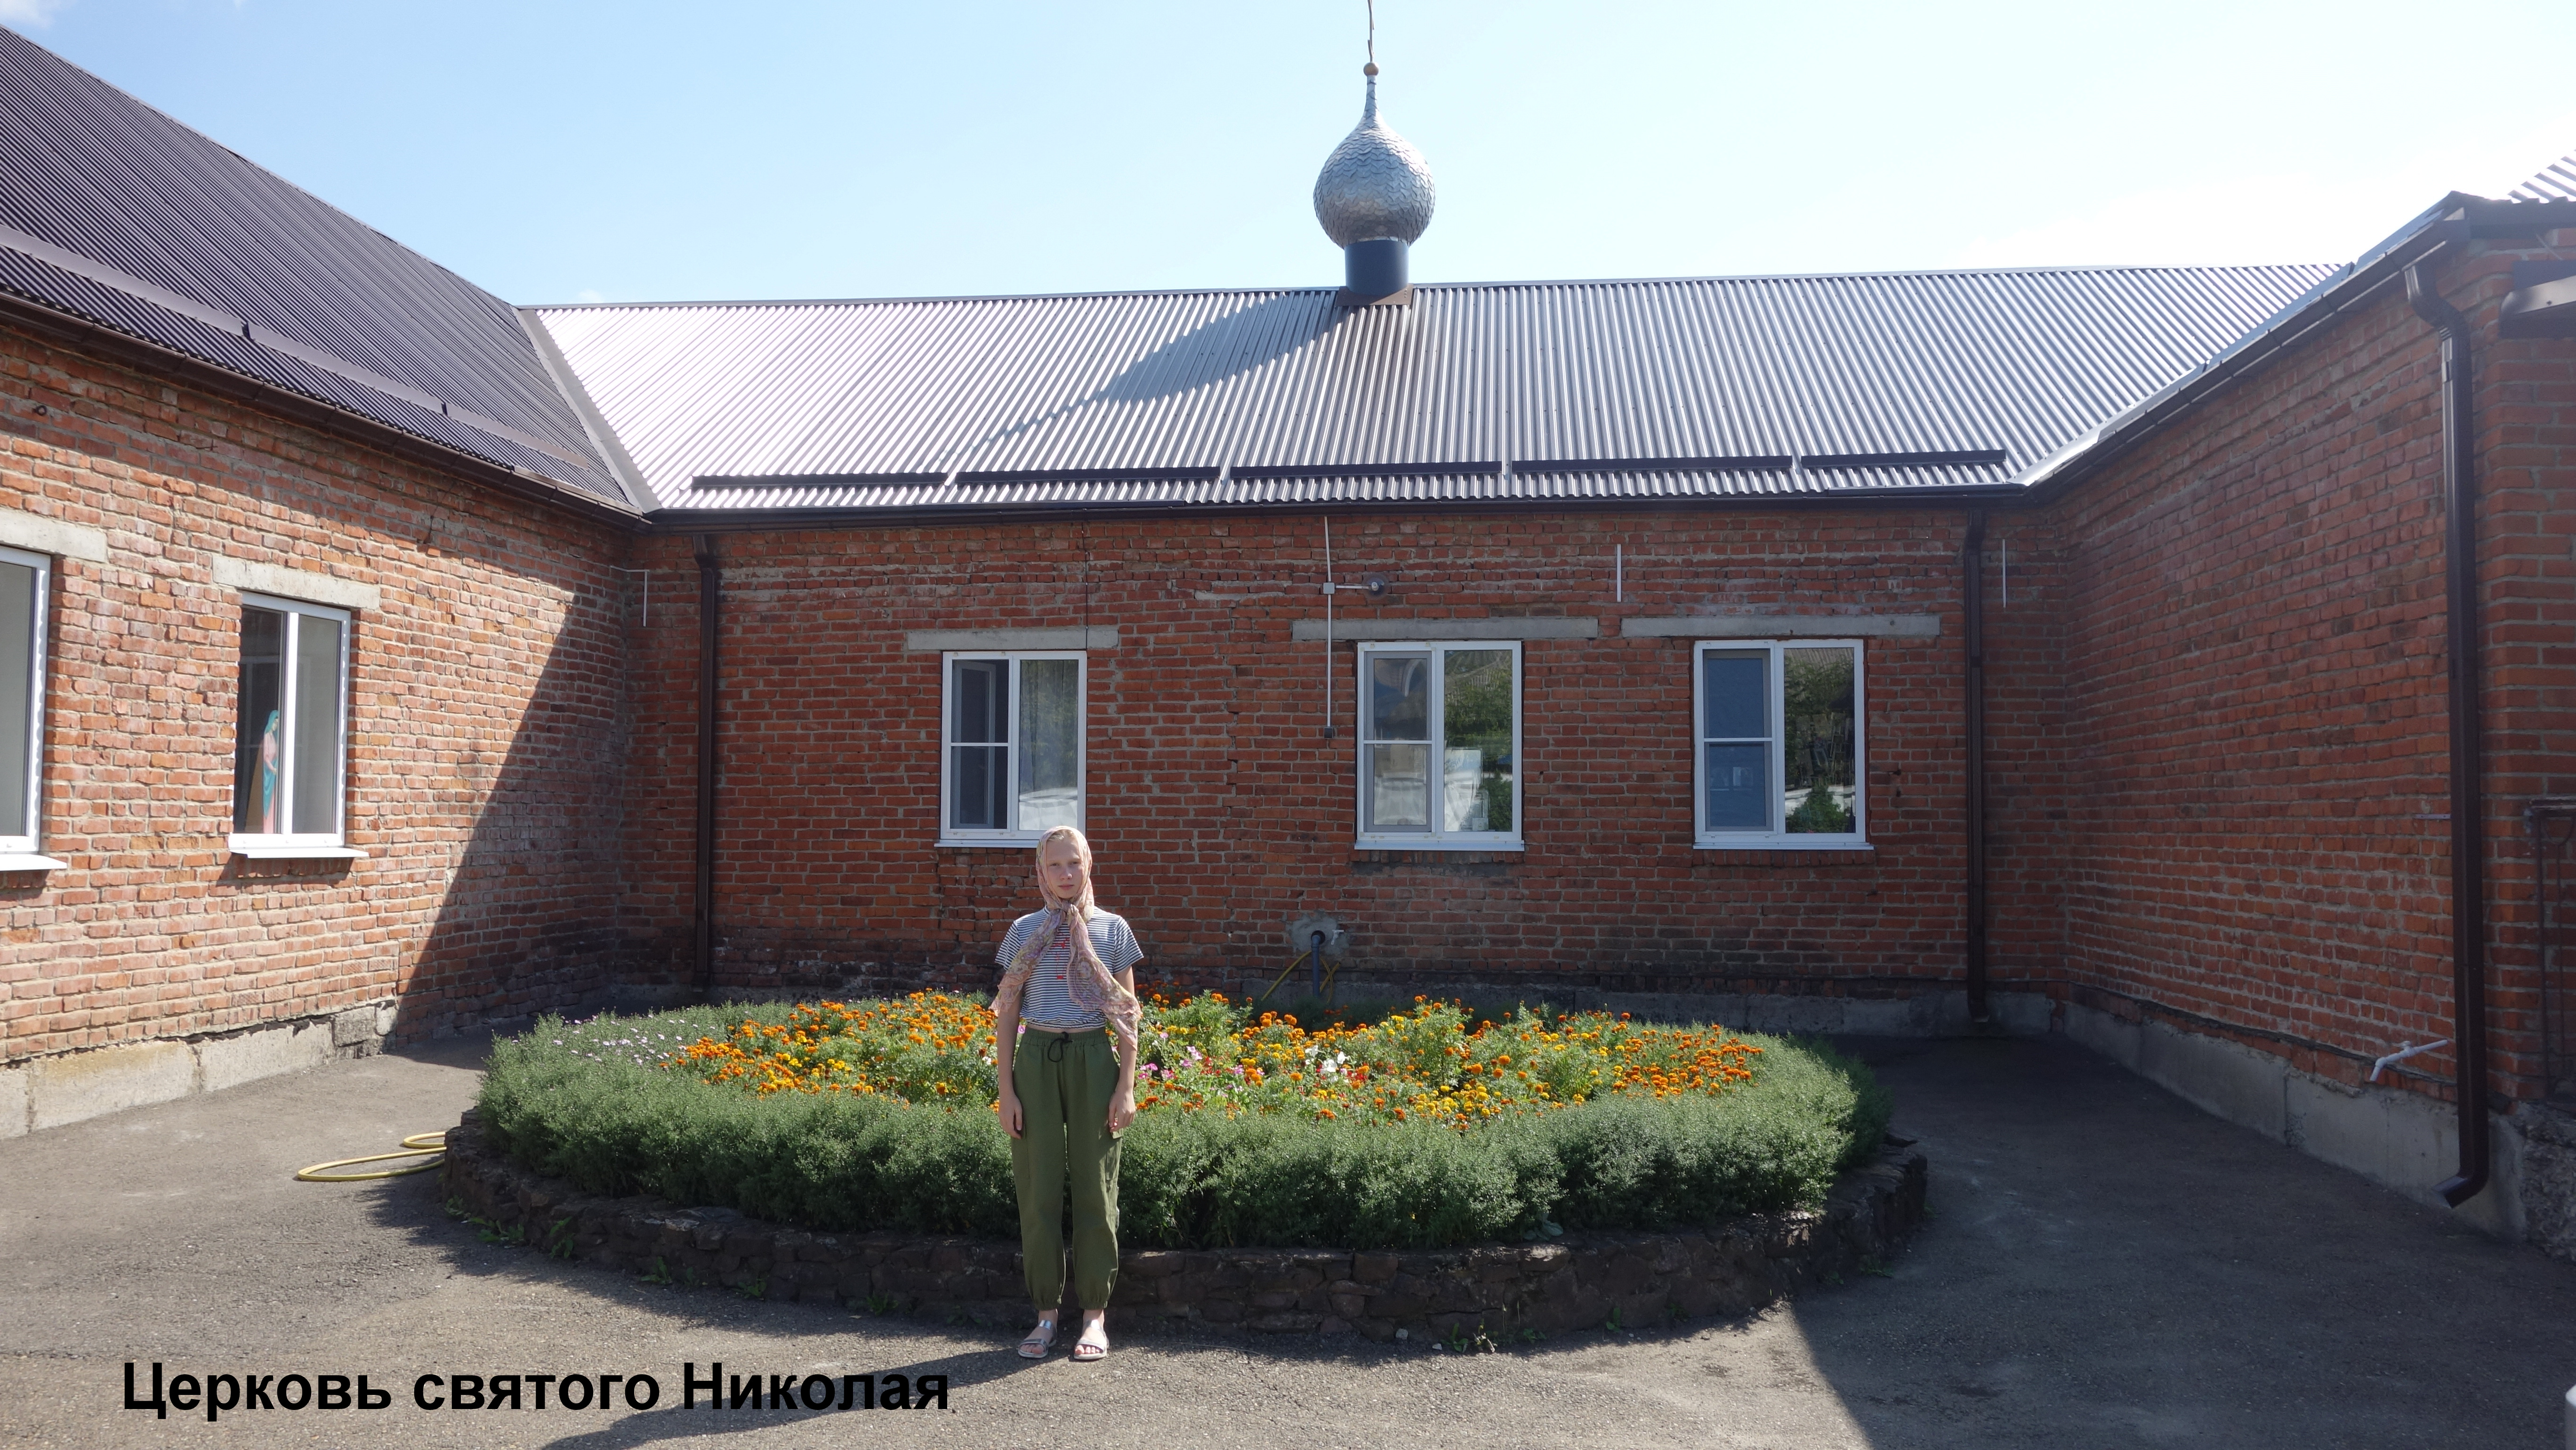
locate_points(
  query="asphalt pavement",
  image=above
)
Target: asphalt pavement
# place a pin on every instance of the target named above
(2107, 1266)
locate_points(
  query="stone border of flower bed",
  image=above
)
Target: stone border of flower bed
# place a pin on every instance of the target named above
(1574, 1282)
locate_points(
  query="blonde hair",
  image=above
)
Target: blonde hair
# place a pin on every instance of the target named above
(1093, 987)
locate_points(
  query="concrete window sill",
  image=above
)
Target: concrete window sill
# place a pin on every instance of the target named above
(1774, 844)
(289, 852)
(29, 861)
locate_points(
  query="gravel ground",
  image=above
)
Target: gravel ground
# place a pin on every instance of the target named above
(2107, 1266)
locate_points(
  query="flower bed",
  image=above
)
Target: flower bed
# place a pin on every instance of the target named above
(1417, 1128)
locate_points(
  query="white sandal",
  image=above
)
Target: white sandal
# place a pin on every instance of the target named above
(1039, 1340)
(1094, 1343)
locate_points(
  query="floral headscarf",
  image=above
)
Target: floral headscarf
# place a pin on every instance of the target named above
(1088, 980)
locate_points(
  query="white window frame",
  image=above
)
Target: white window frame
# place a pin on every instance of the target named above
(1779, 837)
(20, 847)
(1432, 837)
(1012, 835)
(293, 844)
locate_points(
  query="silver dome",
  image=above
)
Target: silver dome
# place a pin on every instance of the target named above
(1374, 184)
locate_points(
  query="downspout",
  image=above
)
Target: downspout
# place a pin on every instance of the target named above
(710, 616)
(1972, 593)
(2468, 765)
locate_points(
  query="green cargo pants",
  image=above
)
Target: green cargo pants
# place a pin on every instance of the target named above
(1064, 1082)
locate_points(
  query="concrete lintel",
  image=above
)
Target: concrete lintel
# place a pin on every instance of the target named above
(304, 584)
(37, 534)
(1311, 631)
(934, 641)
(1783, 626)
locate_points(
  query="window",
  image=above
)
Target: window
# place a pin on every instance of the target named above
(23, 581)
(1011, 764)
(1780, 744)
(1440, 732)
(288, 741)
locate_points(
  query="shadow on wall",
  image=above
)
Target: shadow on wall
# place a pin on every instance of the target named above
(516, 822)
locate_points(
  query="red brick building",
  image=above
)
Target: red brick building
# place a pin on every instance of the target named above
(2052, 649)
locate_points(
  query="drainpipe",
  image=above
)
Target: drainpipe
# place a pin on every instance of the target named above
(710, 616)
(1972, 592)
(2468, 767)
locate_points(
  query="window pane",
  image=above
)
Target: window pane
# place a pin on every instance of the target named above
(1399, 697)
(1398, 798)
(980, 709)
(1739, 787)
(1476, 736)
(17, 693)
(315, 752)
(1050, 744)
(1817, 785)
(259, 741)
(1735, 697)
(976, 774)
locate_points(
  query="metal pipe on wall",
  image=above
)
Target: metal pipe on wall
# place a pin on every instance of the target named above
(2467, 729)
(1972, 595)
(710, 616)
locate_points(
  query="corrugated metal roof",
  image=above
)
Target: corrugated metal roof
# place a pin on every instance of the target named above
(2556, 182)
(114, 212)
(919, 403)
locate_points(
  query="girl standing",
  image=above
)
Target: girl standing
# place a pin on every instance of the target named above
(1068, 1085)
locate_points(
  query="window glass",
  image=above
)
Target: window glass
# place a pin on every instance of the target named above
(1735, 720)
(1050, 744)
(288, 744)
(19, 690)
(316, 747)
(1476, 740)
(259, 749)
(979, 708)
(1439, 741)
(1817, 785)
(1780, 743)
(1012, 733)
(1399, 697)
(1398, 787)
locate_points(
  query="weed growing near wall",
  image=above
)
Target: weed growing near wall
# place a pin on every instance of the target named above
(1415, 1128)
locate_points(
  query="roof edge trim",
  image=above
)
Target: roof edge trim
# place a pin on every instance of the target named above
(2452, 220)
(621, 467)
(76, 330)
(1505, 282)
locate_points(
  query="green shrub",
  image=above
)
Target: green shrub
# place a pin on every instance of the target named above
(589, 1103)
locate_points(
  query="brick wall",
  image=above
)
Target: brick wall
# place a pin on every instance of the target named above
(2253, 693)
(1220, 811)
(487, 728)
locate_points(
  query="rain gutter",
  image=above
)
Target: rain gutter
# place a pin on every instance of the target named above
(1972, 595)
(2468, 766)
(798, 520)
(703, 913)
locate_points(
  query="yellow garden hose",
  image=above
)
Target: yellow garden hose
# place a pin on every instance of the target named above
(416, 1146)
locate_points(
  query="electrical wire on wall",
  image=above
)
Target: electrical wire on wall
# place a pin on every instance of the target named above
(1328, 626)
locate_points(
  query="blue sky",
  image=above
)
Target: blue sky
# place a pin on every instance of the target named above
(645, 151)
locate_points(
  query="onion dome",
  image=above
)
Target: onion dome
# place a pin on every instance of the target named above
(1374, 184)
